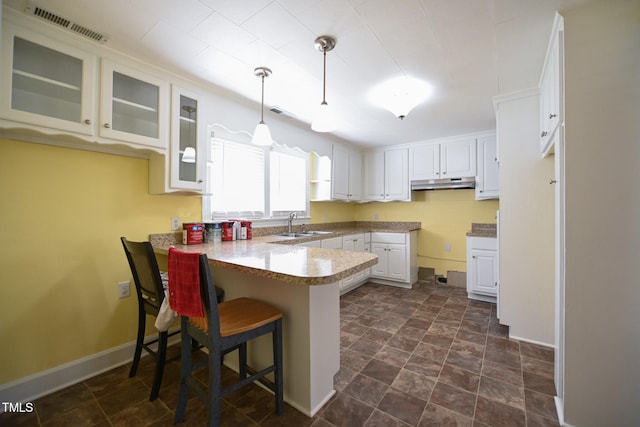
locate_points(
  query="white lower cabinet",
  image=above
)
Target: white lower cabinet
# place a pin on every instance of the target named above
(397, 258)
(356, 243)
(332, 243)
(482, 268)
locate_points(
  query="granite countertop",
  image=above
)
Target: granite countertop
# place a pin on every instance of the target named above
(277, 257)
(483, 230)
(293, 264)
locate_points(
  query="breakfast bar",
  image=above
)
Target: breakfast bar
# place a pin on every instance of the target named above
(303, 282)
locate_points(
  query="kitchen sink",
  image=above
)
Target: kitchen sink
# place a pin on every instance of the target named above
(318, 233)
(294, 234)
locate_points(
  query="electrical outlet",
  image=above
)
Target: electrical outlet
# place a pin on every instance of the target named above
(175, 223)
(447, 247)
(124, 289)
(375, 216)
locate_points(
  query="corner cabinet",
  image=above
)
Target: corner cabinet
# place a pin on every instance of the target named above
(397, 258)
(487, 180)
(45, 83)
(386, 175)
(175, 172)
(482, 268)
(346, 174)
(134, 106)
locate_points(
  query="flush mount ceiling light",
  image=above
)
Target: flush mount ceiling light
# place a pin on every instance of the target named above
(262, 136)
(400, 95)
(189, 153)
(323, 120)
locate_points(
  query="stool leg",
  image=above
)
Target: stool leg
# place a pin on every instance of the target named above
(185, 372)
(215, 387)
(242, 356)
(278, 374)
(161, 358)
(142, 317)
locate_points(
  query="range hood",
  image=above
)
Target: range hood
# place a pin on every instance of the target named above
(443, 184)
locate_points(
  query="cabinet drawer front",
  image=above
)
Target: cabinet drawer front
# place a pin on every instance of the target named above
(397, 238)
(487, 243)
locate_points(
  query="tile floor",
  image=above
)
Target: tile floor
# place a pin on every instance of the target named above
(421, 357)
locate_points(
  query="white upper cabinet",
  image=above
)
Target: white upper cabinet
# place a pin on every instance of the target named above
(51, 84)
(134, 106)
(551, 88)
(447, 159)
(346, 174)
(386, 175)
(458, 158)
(170, 173)
(46, 83)
(487, 181)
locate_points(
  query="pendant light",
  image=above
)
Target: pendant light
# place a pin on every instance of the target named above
(324, 120)
(189, 153)
(262, 136)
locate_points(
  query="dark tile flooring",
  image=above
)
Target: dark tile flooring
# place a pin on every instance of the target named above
(421, 357)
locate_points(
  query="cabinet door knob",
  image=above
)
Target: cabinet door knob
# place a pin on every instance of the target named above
(543, 134)
(87, 122)
(552, 116)
(552, 181)
(444, 173)
(107, 125)
(473, 256)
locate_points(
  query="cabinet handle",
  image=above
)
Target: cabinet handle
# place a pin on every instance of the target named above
(473, 256)
(552, 181)
(543, 134)
(107, 125)
(552, 116)
(444, 173)
(87, 122)
(199, 181)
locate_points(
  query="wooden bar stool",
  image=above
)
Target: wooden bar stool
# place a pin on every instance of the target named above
(223, 328)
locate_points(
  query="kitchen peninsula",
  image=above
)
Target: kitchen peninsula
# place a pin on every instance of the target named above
(303, 282)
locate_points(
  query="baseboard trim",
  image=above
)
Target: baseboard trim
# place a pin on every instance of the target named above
(32, 387)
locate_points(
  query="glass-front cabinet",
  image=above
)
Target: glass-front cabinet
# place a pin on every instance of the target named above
(46, 83)
(182, 168)
(133, 106)
(186, 134)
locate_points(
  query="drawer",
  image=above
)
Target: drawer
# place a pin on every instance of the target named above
(398, 238)
(486, 243)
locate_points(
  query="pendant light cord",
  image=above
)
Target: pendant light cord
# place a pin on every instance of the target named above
(262, 102)
(324, 76)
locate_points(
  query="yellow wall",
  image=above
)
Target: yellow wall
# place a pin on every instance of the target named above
(446, 217)
(63, 212)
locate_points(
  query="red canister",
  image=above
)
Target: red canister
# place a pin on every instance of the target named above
(227, 231)
(192, 233)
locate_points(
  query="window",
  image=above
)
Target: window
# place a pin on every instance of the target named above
(246, 181)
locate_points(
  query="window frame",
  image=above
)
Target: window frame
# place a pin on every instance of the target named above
(267, 216)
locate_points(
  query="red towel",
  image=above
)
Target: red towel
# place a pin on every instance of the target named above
(184, 283)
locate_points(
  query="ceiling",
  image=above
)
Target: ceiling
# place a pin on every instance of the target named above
(468, 50)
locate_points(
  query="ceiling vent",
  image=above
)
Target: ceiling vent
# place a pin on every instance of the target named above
(278, 110)
(66, 23)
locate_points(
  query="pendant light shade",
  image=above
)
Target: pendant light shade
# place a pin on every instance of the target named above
(262, 135)
(324, 120)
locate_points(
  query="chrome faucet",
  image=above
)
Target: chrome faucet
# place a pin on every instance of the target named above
(292, 215)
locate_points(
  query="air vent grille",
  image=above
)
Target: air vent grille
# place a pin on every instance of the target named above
(68, 24)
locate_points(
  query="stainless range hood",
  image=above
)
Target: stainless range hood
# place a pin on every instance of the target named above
(443, 184)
